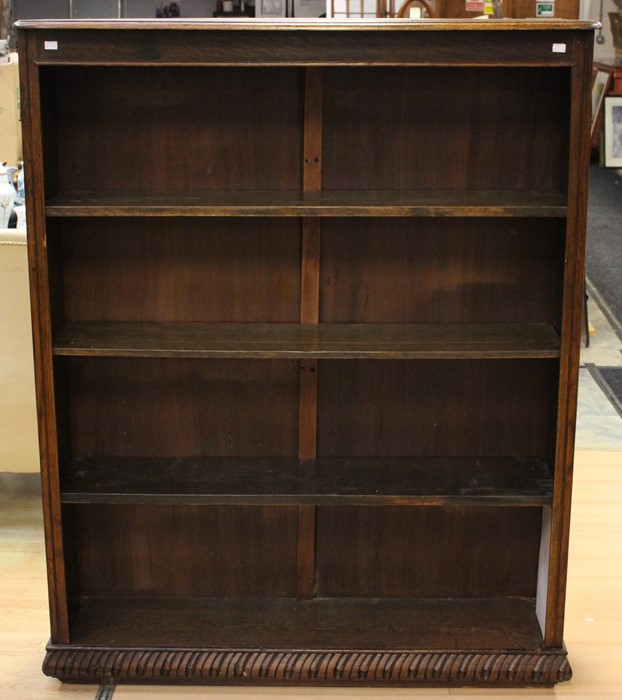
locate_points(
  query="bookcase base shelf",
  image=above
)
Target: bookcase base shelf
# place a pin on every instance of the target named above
(323, 641)
(321, 624)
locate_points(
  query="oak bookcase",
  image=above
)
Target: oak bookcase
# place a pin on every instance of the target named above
(307, 312)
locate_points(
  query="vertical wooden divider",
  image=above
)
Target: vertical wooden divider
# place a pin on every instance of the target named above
(309, 313)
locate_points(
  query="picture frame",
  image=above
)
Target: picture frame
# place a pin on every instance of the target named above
(271, 8)
(613, 132)
(601, 82)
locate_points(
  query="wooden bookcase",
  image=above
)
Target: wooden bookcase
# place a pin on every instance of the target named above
(307, 310)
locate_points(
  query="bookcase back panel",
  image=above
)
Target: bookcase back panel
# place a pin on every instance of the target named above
(451, 128)
(186, 550)
(164, 128)
(471, 408)
(184, 408)
(211, 270)
(428, 552)
(441, 271)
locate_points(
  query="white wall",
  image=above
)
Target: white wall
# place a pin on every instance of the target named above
(590, 9)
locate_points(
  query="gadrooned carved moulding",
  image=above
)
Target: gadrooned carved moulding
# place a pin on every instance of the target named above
(259, 667)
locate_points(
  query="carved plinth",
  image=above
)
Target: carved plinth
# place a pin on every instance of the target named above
(306, 667)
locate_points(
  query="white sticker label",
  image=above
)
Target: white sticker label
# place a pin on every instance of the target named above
(50, 45)
(559, 48)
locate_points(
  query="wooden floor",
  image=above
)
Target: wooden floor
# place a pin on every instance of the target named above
(593, 619)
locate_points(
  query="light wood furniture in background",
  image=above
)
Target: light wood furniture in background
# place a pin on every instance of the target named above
(18, 416)
(614, 87)
(512, 9)
(307, 309)
(455, 9)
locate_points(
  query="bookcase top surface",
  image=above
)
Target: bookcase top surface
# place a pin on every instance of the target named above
(320, 24)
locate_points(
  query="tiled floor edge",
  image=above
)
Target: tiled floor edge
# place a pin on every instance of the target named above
(599, 379)
(599, 300)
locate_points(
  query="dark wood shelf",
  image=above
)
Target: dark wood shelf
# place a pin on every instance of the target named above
(281, 481)
(324, 623)
(324, 341)
(483, 203)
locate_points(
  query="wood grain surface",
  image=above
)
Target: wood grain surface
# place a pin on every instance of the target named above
(328, 481)
(327, 340)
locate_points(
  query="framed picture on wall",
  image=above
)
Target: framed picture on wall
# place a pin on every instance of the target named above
(271, 8)
(601, 81)
(613, 132)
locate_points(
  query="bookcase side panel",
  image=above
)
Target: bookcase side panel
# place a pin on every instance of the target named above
(571, 329)
(34, 123)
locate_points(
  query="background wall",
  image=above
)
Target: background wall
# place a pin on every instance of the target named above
(591, 10)
(104, 9)
(33, 9)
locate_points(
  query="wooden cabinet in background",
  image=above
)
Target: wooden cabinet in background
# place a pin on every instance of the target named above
(307, 308)
(512, 9)
(613, 66)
